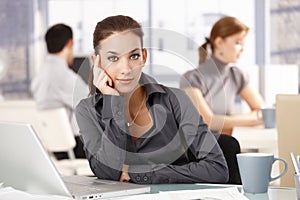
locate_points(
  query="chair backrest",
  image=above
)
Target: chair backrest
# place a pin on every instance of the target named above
(52, 126)
(56, 130)
(230, 147)
(19, 111)
(288, 128)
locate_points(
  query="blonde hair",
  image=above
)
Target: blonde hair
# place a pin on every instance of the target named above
(224, 27)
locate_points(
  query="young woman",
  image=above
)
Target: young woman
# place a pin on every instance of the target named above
(214, 85)
(135, 129)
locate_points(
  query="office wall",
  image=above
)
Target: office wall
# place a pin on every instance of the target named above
(19, 36)
(24, 23)
(179, 27)
(15, 39)
(285, 34)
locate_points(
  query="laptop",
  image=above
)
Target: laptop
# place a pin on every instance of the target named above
(25, 165)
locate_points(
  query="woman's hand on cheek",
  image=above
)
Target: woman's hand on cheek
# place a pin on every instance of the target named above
(106, 85)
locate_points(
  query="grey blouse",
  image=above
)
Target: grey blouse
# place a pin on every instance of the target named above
(219, 83)
(179, 148)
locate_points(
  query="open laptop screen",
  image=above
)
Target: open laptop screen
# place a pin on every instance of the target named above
(25, 164)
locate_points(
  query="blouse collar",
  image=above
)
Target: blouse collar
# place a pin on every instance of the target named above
(220, 64)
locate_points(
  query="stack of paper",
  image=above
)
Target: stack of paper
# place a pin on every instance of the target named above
(230, 193)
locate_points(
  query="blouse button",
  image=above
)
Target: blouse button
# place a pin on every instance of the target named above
(138, 178)
(145, 178)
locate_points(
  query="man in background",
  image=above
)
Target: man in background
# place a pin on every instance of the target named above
(54, 84)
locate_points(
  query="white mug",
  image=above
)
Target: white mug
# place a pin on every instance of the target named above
(255, 170)
(268, 116)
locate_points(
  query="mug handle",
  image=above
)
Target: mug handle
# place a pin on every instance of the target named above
(284, 171)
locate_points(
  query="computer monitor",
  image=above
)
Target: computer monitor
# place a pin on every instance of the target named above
(82, 66)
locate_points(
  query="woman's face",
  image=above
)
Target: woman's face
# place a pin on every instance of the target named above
(122, 58)
(232, 47)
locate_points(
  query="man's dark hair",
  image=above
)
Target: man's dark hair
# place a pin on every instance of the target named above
(57, 37)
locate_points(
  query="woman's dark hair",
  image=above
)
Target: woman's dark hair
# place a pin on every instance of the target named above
(109, 26)
(57, 37)
(224, 27)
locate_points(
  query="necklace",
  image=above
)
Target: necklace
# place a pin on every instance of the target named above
(137, 113)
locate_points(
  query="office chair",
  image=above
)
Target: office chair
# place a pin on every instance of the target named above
(52, 127)
(288, 129)
(230, 147)
(57, 136)
(19, 111)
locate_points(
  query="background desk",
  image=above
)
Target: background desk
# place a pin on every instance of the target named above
(257, 138)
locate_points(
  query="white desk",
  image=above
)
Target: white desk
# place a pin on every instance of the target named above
(272, 194)
(264, 140)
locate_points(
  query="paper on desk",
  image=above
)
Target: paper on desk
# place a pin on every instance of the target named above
(9, 193)
(230, 193)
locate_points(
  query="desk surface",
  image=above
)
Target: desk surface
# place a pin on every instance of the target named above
(273, 192)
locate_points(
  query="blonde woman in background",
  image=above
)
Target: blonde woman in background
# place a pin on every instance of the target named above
(214, 85)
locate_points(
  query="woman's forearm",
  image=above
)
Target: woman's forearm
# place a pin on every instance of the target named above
(225, 123)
